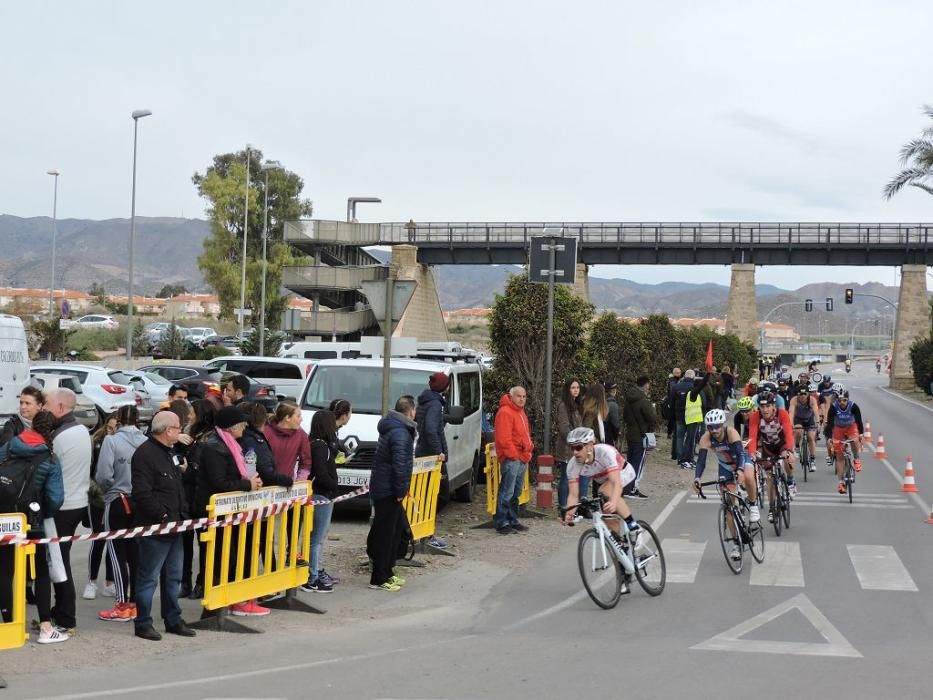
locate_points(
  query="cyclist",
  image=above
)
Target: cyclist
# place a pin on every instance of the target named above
(783, 388)
(603, 465)
(803, 412)
(772, 388)
(744, 406)
(825, 388)
(878, 365)
(844, 422)
(727, 444)
(770, 430)
(848, 365)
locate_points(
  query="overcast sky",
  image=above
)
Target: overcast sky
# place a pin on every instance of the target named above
(501, 110)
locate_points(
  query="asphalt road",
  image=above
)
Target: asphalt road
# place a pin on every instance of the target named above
(840, 608)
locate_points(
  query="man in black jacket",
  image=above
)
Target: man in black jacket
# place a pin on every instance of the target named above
(431, 438)
(389, 481)
(158, 498)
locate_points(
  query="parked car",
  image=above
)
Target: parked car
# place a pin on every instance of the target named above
(108, 388)
(228, 342)
(195, 379)
(97, 321)
(286, 374)
(85, 411)
(155, 341)
(154, 385)
(199, 335)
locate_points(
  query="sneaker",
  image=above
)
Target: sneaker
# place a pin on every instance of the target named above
(327, 578)
(842, 487)
(518, 527)
(248, 609)
(637, 494)
(318, 586)
(812, 466)
(792, 489)
(108, 590)
(735, 553)
(120, 612)
(857, 464)
(387, 586)
(90, 591)
(52, 636)
(624, 588)
(754, 515)
(438, 543)
(506, 530)
(830, 460)
(770, 516)
(397, 581)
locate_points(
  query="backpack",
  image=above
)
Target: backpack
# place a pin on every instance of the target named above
(18, 487)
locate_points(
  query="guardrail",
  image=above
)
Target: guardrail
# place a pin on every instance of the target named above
(492, 481)
(13, 633)
(348, 277)
(421, 502)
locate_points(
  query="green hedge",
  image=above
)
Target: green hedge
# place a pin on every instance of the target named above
(921, 358)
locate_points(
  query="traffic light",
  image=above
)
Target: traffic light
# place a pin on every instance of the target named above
(850, 295)
(829, 303)
(808, 304)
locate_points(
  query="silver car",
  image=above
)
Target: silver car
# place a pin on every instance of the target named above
(108, 388)
(153, 384)
(85, 411)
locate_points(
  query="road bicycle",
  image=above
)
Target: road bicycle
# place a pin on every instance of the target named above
(608, 560)
(735, 526)
(778, 492)
(804, 453)
(848, 475)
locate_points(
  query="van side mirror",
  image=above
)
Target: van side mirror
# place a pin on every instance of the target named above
(455, 415)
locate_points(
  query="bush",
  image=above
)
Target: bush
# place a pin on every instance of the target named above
(208, 353)
(921, 359)
(96, 339)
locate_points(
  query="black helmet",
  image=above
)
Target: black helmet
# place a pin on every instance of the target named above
(765, 398)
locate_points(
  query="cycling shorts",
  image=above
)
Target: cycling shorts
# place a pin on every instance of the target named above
(728, 470)
(842, 433)
(808, 424)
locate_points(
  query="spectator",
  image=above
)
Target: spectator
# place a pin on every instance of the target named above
(236, 389)
(667, 406)
(34, 443)
(569, 416)
(291, 451)
(176, 392)
(159, 498)
(613, 420)
(31, 401)
(202, 426)
(712, 392)
(343, 412)
(388, 485)
(513, 449)
(596, 411)
(324, 449)
(728, 384)
(751, 389)
(114, 475)
(692, 403)
(431, 439)
(72, 446)
(215, 395)
(222, 469)
(640, 420)
(95, 517)
(256, 450)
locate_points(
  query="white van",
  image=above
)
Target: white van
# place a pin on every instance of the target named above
(320, 351)
(14, 364)
(360, 382)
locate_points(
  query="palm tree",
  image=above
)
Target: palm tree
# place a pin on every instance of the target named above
(917, 155)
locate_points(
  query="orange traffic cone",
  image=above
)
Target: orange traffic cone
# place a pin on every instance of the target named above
(930, 519)
(867, 432)
(910, 486)
(879, 449)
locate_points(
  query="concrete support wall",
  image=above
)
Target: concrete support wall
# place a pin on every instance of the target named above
(913, 322)
(742, 310)
(423, 319)
(581, 287)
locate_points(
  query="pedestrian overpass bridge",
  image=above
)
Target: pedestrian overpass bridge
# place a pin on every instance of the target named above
(341, 263)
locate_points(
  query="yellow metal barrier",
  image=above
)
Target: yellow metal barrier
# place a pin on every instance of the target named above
(492, 481)
(285, 538)
(421, 502)
(13, 633)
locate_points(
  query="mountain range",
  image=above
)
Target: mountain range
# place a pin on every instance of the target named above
(167, 250)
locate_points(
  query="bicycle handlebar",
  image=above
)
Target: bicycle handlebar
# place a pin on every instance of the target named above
(721, 481)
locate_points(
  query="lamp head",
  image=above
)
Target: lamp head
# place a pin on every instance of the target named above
(272, 165)
(140, 113)
(53, 171)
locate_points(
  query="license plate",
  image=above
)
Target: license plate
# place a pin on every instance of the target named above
(352, 477)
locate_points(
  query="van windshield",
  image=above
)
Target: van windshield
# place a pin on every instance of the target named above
(361, 386)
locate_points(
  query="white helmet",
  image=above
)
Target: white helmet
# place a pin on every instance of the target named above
(716, 417)
(838, 387)
(580, 436)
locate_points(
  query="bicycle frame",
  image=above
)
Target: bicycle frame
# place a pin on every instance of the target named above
(592, 507)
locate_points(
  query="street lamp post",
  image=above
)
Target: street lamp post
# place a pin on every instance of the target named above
(54, 173)
(270, 165)
(137, 115)
(353, 201)
(242, 313)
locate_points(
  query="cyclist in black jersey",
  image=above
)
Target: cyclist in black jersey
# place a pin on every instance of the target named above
(804, 411)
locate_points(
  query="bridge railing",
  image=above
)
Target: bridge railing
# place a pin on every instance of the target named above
(665, 234)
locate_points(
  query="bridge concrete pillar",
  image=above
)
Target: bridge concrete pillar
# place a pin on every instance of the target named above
(742, 311)
(423, 319)
(913, 322)
(581, 286)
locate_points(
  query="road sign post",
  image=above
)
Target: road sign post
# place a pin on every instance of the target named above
(388, 301)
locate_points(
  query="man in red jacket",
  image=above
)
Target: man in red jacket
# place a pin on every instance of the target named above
(513, 449)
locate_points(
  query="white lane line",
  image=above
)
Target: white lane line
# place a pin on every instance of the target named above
(783, 566)
(879, 568)
(668, 509)
(682, 558)
(904, 398)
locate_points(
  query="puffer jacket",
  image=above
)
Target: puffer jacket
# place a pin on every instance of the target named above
(265, 463)
(394, 458)
(47, 477)
(638, 414)
(513, 434)
(217, 472)
(430, 419)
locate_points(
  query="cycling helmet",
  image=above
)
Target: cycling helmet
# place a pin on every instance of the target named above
(785, 375)
(804, 390)
(716, 417)
(813, 387)
(837, 388)
(803, 376)
(745, 404)
(767, 386)
(843, 393)
(580, 436)
(766, 398)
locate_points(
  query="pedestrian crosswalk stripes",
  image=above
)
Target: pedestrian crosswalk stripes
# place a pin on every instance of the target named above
(833, 500)
(877, 567)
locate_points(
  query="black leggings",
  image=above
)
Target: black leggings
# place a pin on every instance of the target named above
(96, 553)
(122, 553)
(43, 584)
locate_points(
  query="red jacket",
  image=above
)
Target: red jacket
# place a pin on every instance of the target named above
(513, 435)
(289, 447)
(787, 430)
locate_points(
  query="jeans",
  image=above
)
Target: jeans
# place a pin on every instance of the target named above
(511, 483)
(322, 515)
(154, 554)
(636, 457)
(689, 444)
(677, 448)
(563, 487)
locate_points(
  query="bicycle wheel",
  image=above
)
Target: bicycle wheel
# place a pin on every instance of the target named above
(727, 540)
(650, 569)
(755, 534)
(785, 501)
(775, 508)
(850, 479)
(805, 455)
(762, 483)
(599, 569)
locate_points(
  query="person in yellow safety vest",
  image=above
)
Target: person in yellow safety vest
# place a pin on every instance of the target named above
(689, 411)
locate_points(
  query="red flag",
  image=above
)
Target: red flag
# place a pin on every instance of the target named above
(709, 356)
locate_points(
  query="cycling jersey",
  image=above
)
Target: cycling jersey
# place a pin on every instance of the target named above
(844, 418)
(804, 415)
(773, 432)
(729, 455)
(606, 459)
(826, 389)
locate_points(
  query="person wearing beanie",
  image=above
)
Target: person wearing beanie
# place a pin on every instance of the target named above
(429, 417)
